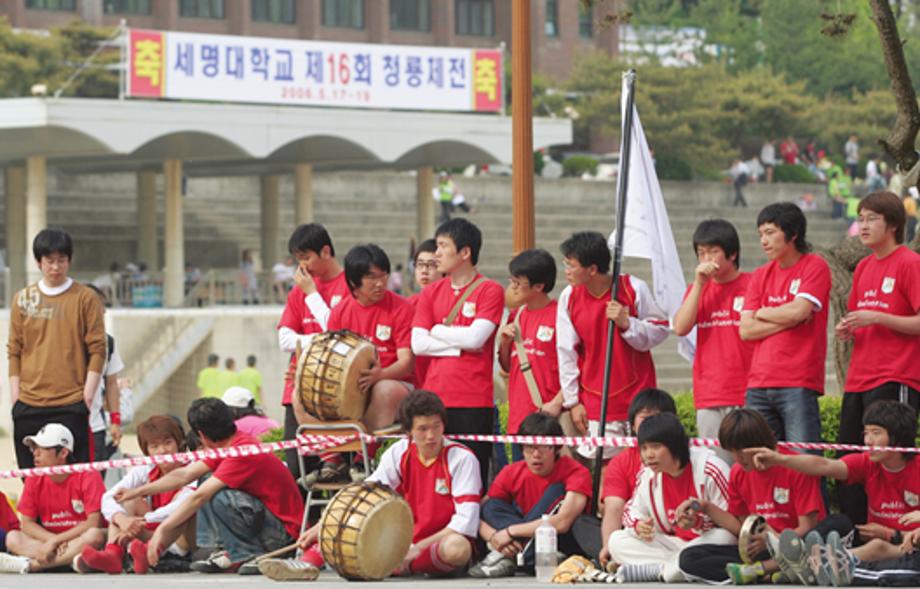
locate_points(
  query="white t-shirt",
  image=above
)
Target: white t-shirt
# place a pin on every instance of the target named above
(113, 366)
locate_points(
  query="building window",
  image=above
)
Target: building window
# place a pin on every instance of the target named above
(410, 15)
(585, 21)
(347, 14)
(126, 6)
(552, 18)
(51, 4)
(475, 17)
(201, 8)
(280, 11)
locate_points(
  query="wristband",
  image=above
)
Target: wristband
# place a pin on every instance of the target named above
(115, 418)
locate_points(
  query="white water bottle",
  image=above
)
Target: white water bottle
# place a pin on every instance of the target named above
(545, 539)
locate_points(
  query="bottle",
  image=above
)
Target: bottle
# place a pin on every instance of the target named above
(545, 539)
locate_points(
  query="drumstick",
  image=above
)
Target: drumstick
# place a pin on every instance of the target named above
(275, 553)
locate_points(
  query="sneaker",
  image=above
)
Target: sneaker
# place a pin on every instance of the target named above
(80, 567)
(218, 562)
(494, 565)
(639, 573)
(357, 474)
(818, 562)
(331, 474)
(744, 574)
(249, 568)
(10, 563)
(138, 552)
(842, 562)
(288, 569)
(789, 553)
(313, 556)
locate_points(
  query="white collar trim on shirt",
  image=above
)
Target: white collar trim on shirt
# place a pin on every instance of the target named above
(56, 290)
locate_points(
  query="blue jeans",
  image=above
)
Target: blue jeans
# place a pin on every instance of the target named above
(241, 524)
(792, 413)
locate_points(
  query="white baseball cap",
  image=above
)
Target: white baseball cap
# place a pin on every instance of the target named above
(237, 397)
(50, 436)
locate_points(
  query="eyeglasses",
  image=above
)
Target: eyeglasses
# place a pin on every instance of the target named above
(427, 265)
(869, 219)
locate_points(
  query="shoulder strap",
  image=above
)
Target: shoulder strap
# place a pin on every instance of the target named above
(466, 294)
(532, 387)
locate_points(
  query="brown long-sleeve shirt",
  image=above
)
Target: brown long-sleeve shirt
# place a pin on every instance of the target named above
(54, 342)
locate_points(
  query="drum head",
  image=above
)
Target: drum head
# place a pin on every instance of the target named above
(327, 375)
(353, 403)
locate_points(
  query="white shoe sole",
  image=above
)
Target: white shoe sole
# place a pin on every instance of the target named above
(278, 570)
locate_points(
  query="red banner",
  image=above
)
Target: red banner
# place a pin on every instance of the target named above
(488, 94)
(147, 64)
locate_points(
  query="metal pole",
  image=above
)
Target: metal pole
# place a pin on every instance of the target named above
(522, 219)
(623, 184)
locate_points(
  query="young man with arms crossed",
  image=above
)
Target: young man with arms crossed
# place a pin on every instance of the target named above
(533, 325)
(785, 315)
(56, 351)
(713, 304)
(583, 312)
(455, 323)
(319, 285)
(883, 323)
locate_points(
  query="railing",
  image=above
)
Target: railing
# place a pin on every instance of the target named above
(141, 291)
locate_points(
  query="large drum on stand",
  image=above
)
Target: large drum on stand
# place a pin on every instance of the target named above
(327, 375)
(365, 531)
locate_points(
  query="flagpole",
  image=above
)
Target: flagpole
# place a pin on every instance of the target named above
(622, 185)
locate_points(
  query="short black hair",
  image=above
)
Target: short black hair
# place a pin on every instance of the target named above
(541, 424)
(250, 360)
(429, 246)
(358, 262)
(537, 266)
(463, 234)
(213, 359)
(790, 219)
(211, 417)
(666, 429)
(311, 237)
(745, 428)
(721, 233)
(589, 248)
(650, 399)
(52, 241)
(420, 403)
(898, 419)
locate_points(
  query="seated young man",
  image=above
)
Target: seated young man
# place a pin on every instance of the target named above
(665, 514)
(252, 501)
(439, 479)
(385, 318)
(138, 518)
(623, 470)
(60, 513)
(533, 275)
(785, 498)
(891, 479)
(543, 483)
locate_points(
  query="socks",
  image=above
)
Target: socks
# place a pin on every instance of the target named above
(639, 573)
(108, 560)
(429, 563)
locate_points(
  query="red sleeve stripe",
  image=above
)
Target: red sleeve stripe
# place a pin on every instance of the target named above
(658, 321)
(718, 476)
(466, 499)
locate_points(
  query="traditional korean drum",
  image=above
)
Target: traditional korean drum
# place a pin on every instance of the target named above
(327, 375)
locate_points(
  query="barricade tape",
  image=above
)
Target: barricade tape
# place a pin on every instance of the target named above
(313, 444)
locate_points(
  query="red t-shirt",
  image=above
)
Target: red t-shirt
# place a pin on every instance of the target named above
(517, 484)
(464, 380)
(794, 357)
(297, 316)
(264, 477)
(890, 494)
(890, 285)
(781, 495)
(622, 474)
(675, 491)
(421, 362)
(538, 332)
(59, 507)
(8, 518)
(722, 359)
(387, 323)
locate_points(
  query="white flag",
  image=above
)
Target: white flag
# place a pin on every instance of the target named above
(648, 231)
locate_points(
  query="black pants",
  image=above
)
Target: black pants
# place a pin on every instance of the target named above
(707, 561)
(474, 421)
(852, 498)
(102, 450)
(27, 420)
(739, 183)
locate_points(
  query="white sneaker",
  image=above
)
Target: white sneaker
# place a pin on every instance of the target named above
(288, 569)
(10, 563)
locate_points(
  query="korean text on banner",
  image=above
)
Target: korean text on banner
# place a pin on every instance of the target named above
(318, 73)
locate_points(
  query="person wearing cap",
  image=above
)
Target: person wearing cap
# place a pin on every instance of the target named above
(246, 416)
(61, 513)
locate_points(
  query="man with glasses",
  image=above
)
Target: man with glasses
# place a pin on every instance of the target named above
(426, 272)
(883, 323)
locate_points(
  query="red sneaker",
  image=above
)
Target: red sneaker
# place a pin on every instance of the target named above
(138, 552)
(314, 556)
(107, 560)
